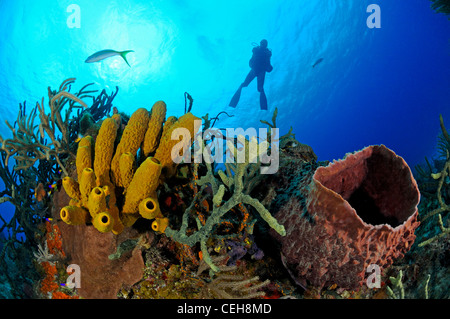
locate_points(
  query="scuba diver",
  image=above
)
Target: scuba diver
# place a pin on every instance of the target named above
(259, 64)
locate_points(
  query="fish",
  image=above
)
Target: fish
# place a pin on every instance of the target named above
(317, 62)
(103, 54)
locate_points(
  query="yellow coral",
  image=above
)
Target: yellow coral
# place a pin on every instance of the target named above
(154, 127)
(128, 220)
(87, 183)
(101, 169)
(167, 144)
(160, 224)
(103, 222)
(117, 118)
(84, 154)
(104, 149)
(71, 187)
(97, 201)
(131, 140)
(73, 215)
(171, 120)
(117, 223)
(126, 164)
(144, 183)
(149, 208)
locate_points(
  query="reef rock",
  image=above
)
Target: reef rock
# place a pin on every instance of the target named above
(355, 212)
(101, 278)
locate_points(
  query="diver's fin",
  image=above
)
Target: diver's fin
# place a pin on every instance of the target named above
(263, 101)
(123, 55)
(235, 99)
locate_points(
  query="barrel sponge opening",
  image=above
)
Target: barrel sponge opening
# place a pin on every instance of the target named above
(376, 182)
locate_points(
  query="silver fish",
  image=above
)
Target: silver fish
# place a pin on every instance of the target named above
(103, 54)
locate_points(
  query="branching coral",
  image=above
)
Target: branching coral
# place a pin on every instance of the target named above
(231, 182)
(28, 142)
(442, 177)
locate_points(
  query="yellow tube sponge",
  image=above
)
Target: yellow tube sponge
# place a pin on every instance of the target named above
(160, 224)
(126, 164)
(103, 222)
(169, 122)
(110, 194)
(166, 145)
(104, 150)
(71, 187)
(97, 201)
(87, 183)
(117, 223)
(131, 140)
(75, 202)
(128, 220)
(84, 154)
(73, 215)
(149, 208)
(144, 183)
(154, 128)
(116, 117)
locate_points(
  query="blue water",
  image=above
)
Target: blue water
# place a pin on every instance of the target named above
(384, 85)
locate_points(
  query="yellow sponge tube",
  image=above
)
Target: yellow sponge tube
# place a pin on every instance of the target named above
(87, 183)
(104, 149)
(149, 208)
(128, 220)
(103, 222)
(73, 215)
(126, 164)
(117, 223)
(166, 145)
(84, 154)
(71, 187)
(160, 224)
(154, 127)
(131, 140)
(97, 201)
(144, 183)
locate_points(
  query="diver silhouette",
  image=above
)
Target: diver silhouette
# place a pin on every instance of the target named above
(259, 64)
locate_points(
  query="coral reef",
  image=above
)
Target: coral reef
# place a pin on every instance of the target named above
(127, 205)
(359, 211)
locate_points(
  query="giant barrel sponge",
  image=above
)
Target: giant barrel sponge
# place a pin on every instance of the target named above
(360, 211)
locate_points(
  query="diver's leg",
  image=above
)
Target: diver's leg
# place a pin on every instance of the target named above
(235, 99)
(263, 100)
(249, 78)
(262, 94)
